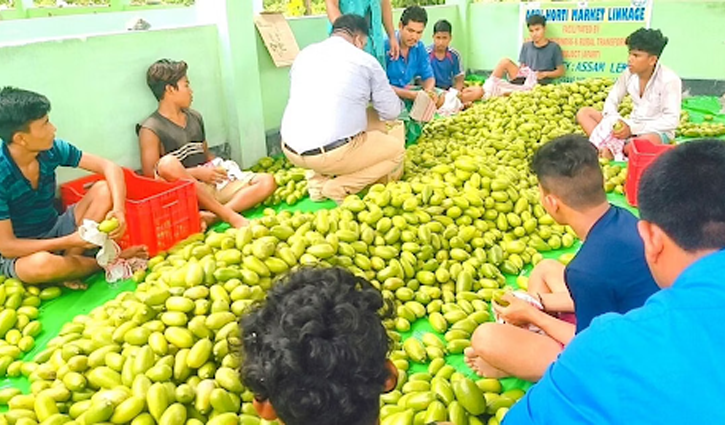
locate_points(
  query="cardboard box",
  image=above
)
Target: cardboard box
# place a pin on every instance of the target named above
(278, 38)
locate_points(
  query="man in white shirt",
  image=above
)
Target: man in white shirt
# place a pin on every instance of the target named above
(656, 92)
(327, 126)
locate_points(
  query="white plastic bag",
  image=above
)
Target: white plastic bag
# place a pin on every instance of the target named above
(452, 104)
(603, 137)
(529, 299)
(108, 257)
(234, 173)
(494, 86)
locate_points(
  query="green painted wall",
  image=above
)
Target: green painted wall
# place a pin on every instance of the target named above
(97, 85)
(275, 81)
(242, 84)
(493, 34)
(24, 30)
(695, 29)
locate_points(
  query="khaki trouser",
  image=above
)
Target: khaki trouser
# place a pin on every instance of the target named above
(376, 155)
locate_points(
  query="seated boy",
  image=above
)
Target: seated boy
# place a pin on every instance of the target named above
(315, 350)
(540, 62)
(656, 93)
(173, 147)
(447, 64)
(631, 369)
(38, 246)
(608, 274)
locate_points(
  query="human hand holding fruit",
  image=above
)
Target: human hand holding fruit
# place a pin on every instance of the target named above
(516, 311)
(114, 224)
(621, 130)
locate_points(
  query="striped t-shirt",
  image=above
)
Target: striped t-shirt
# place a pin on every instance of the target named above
(185, 143)
(447, 69)
(31, 211)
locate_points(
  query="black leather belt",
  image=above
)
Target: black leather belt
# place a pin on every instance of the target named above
(327, 148)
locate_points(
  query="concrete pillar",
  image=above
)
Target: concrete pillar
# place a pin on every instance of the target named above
(240, 76)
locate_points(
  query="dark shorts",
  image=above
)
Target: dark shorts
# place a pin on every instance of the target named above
(64, 226)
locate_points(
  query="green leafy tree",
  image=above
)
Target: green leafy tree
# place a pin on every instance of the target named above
(296, 7)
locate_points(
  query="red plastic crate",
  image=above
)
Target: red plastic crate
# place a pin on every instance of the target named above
(643, 153)
(159, 214)
(72, 192)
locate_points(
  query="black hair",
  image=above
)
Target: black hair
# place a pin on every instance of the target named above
(647, 40)
(19, 108)
(351, 24)
(568, 167)
(683, 193)
(415, 14)
(535, 20)
(316, 348)
(443, 26)
(165, 72)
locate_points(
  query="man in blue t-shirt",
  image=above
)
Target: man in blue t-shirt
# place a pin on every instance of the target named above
(36, 244)
(633, 368)
(447, 64)
(412, 63)
(608, 274)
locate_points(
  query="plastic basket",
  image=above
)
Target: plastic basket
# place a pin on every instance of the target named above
(72, 192)
(643, 153)
(159, 214)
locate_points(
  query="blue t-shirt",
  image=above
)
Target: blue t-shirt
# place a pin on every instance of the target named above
(403, 71)
(447, 69)
(609, 273)
(658, 364)
(31, 210)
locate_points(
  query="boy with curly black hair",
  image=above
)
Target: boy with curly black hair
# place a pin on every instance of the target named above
(315, 352)
(656, 92)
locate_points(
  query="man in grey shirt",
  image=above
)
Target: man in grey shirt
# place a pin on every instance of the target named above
(540, 55)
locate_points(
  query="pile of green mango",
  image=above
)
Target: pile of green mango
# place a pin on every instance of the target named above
(18, 319)
(615, 176)
(707, 128)
(437, 244)
(291, 182)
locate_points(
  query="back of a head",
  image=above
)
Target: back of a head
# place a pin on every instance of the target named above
(18, 108)
(683, 193)
(351, 24)
(316, 348)
(647, 40)
(165, 72)
(414, 14)
(443, 26)
(535, 20)
(568, 167)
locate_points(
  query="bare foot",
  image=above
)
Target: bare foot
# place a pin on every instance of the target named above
(75, 285)
(237, 221)
(480, 367)
(135, 252)
(606, 153)
(207, 219)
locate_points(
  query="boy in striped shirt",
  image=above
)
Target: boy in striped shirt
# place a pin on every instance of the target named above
(38, 245)
(447, 64)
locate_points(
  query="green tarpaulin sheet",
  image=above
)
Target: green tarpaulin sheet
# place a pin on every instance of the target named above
(54, 314)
